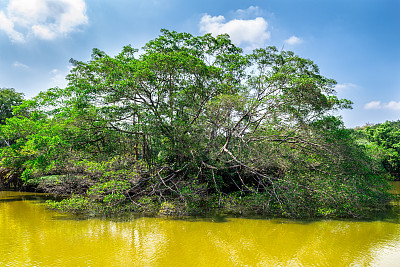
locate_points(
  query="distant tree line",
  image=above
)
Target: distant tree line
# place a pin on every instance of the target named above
(383, 141)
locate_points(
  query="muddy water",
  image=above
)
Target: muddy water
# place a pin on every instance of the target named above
(31, 235)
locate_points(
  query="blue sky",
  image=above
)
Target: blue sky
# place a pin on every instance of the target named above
(355, 42)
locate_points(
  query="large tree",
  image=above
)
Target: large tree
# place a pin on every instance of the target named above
(199, 120)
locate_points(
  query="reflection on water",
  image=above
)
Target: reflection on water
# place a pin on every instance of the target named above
(31, 235)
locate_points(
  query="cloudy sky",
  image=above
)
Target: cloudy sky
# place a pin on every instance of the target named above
(355, 42)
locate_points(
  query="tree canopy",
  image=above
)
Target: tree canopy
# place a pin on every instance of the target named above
(8, 98)
(383, 140)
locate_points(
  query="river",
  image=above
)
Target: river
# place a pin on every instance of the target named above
(31, 235)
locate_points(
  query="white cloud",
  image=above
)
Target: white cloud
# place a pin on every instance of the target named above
(373, 105)
(20, 65)
(7, 26)
(345, 86)
(43, 32)
(293, 40)
(252, 11)
(393, 105)
(44, 19)
(252, 32)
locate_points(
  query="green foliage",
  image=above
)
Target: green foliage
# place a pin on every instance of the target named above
(147, 205)
(8, 99)
(74, 204)
(43, 180)
(383, 142)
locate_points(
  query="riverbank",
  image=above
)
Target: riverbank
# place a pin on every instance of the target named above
(243, 209)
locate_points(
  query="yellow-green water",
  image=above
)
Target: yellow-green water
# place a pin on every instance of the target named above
(31, 235)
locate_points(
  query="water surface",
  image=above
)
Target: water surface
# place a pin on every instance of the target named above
(31, 235)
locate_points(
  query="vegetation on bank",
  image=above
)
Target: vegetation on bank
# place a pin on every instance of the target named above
(383, 141)
(193, 125)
